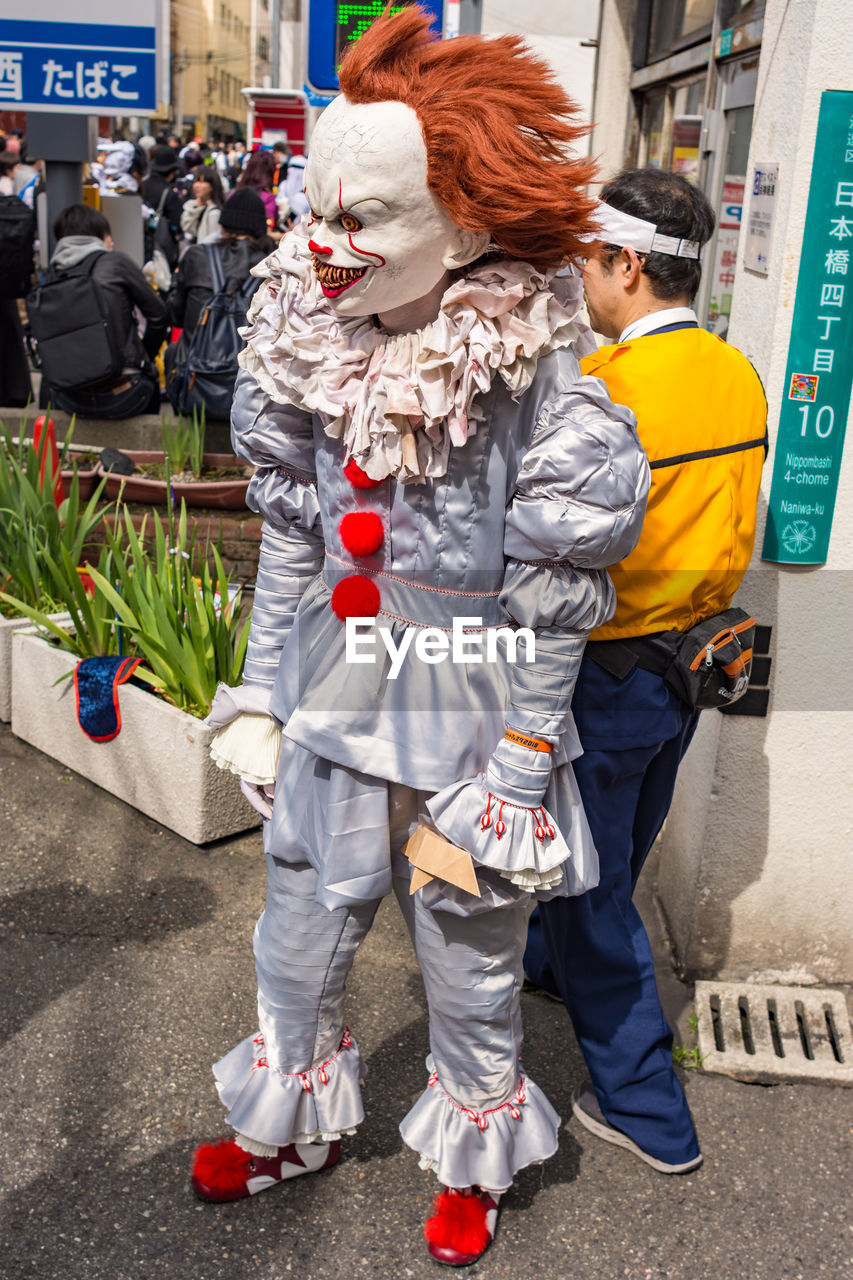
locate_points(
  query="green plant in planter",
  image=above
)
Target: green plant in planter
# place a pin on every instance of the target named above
(92, 629)
(198, 431)
(183, 443)
(35, 535)
(186, 627)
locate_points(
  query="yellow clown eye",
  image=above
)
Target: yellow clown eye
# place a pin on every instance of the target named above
(349, 223)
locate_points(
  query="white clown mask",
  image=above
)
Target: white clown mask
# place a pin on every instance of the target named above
(381, 239)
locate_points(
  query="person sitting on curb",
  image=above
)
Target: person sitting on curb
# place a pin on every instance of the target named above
(80, 232)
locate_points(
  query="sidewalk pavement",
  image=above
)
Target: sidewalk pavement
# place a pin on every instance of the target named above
(127, 970)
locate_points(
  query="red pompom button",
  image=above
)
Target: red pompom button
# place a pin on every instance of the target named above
(359, 479)
(361, 532)
(355, 597)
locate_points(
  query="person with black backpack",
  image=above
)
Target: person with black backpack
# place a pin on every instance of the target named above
(84, 319)
(209, 300)
(165, 200)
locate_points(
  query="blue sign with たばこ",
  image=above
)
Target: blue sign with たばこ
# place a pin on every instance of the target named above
(86, 68)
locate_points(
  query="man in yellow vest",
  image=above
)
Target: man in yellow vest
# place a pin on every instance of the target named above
(701, 415)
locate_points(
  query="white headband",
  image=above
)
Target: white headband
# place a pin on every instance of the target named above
(634, 233)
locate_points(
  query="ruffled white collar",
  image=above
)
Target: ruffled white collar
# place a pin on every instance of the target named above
(400, 401)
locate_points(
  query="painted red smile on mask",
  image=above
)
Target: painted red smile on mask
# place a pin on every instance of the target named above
(336, 280)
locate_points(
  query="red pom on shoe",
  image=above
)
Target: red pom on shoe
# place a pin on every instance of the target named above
(220, 1170)
(459, 1224)
(355, 597)
(361, 532)
(359, 479)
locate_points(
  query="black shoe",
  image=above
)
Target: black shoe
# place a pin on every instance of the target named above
(586, 1109)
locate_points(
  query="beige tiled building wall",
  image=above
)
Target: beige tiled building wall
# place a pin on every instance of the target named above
(218, 48)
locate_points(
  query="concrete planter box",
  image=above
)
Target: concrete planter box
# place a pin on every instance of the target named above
(8, 626)
(159, 763)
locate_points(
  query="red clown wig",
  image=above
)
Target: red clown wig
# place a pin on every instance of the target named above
(497, 127)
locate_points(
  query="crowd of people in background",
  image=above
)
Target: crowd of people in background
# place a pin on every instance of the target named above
(19, 175)
(210, 212)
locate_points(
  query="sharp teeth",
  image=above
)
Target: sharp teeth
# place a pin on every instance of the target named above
(333, 277)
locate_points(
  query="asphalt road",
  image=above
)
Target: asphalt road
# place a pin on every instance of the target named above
(127, 970)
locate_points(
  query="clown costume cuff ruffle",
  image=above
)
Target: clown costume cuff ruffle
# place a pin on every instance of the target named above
(267, 1105)
(487, 1148)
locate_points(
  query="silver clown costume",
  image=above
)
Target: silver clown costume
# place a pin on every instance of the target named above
(501, 483)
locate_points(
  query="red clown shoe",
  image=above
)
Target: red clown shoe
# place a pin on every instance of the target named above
(223, 1171)
(463, 1226)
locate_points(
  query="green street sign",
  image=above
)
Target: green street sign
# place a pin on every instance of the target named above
(819, 374)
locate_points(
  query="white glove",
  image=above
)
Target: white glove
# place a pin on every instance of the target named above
(259, 797)
(232, 702)
(247, 741)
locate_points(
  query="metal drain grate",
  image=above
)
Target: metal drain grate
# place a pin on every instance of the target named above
(774, 1033)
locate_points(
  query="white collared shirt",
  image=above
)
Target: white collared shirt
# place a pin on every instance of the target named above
(657, 320)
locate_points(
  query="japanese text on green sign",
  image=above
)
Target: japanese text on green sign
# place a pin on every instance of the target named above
(819, 374)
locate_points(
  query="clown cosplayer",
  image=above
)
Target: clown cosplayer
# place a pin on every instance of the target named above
(441, 492)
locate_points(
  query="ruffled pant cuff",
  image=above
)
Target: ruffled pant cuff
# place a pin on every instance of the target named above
(467, 1148)
(276, 1107)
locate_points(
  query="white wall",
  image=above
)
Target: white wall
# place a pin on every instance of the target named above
(612, 106)
(755, 873)
(291, 60)
(554, 32)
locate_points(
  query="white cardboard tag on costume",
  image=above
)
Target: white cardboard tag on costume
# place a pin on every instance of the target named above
(433, 857)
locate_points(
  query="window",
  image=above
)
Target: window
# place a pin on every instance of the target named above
(674, 22)
(670, 25)
(670, 129)
(653, 117)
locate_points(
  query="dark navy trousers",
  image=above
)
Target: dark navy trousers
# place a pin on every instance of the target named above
(593, 950)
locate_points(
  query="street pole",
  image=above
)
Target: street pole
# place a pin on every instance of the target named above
(179, 108)
(470, 17)
(275, 44)
(253, 46)
(64, 143)
(164, 54)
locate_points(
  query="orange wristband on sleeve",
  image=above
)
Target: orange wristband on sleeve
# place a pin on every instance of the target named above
(524, 740)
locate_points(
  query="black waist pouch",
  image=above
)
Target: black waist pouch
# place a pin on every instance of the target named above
(707, 666)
